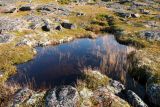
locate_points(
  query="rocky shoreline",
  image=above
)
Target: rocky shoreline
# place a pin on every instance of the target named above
(69, 96)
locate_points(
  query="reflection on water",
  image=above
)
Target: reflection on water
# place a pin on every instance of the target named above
(55, 65)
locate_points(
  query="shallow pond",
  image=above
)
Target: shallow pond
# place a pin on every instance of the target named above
(62, 64)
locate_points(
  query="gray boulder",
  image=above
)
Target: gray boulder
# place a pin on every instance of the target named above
(135, 100)
(4, 38)
(66, 96)
(36, 21)
(153, 93)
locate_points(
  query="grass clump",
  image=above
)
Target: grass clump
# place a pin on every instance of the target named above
(145, 65)
(64, 1)
(93, 79)
(10, 55)
(104, 23)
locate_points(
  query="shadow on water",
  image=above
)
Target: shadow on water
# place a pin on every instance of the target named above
(63, 64)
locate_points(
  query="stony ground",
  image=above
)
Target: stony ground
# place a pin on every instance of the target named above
(25, 24)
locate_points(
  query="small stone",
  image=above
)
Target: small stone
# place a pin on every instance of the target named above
(143, 11)
(1, 74)
(136, 15)
(25, 8)
(80, 14)
(59, 27)
(46, 28)
(68, 25)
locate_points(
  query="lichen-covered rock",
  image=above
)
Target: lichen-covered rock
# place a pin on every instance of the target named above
(135, 100)
(153, 92)
(54, 8)
(66, 96)
(26, 41)
(21, 96)
(86, 93)
(36, 99)
(4, 38)
(8, 24)
(106, 98)
(151, 35)
(115, 86)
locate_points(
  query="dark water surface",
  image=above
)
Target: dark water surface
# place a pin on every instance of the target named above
(62, 64)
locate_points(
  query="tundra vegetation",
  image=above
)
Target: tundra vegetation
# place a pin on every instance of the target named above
(26, 24)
